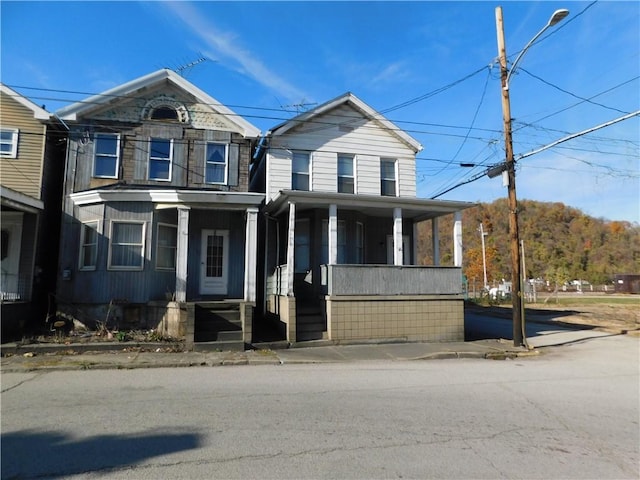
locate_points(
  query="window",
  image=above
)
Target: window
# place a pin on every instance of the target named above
(388, 177)
(89, 246)
(300, 171)
(127, 246)
(345, 174)
(105, 163)
(216, 163)
(164, 112)
(8, 142)
(160, 156)
(166, 246)
(359, 243)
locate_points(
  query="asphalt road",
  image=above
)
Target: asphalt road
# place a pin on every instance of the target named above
(480, 326)
(571, 413)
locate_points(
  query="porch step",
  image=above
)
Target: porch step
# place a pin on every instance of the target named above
(219, 346)
(310, 327)
(217, 322)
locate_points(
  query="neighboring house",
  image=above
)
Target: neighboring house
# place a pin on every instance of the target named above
(31, 159)
(340, 231)
(159, 229)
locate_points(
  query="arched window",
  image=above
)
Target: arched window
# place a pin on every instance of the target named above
(165, 108)
(164, 112)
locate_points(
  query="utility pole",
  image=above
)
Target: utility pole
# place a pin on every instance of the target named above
(514, 235)
(484, 257)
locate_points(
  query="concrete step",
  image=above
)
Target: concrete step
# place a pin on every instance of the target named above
(216, 346)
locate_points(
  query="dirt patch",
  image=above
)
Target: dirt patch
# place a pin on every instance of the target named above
(619, 317)
(605, 315)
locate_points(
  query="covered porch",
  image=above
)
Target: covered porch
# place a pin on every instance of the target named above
(344, 267)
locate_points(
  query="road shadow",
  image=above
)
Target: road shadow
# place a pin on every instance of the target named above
(35, 454)
(497, 322)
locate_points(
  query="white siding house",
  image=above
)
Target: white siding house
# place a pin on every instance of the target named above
(341, 207)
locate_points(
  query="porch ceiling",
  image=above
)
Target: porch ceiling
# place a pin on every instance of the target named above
(372, 205)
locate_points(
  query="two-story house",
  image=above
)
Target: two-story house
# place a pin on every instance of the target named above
(159, 229)
(340, 231)
(31, 156)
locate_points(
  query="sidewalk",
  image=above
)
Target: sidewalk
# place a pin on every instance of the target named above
(17, 358)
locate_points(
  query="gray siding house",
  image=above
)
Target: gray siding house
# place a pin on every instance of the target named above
(340, 231)
(159, 229)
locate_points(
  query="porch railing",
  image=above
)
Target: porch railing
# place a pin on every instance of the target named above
(277, 281)
(391, 280)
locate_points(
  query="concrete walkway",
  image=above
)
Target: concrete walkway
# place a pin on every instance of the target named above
(17, 358)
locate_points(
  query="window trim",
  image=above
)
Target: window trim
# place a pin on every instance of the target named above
(15, 135)
(142, 245)
(83, 227)
(395, 177)
(308, 172)
(116, 156)
(170, 160)
(175, 249)
(226, 163)
(353, 171)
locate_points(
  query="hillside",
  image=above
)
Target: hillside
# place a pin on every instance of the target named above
(560, 243)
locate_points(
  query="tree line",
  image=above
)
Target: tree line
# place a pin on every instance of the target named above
(560, 242)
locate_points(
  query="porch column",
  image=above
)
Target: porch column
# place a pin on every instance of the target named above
(251, 255)
(414, 244)
(333, 235)
(397, 236)
(457, 239)
(435, 240)
(290, 248)
(182, 250)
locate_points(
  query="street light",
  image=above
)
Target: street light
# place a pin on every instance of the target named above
(514, 236)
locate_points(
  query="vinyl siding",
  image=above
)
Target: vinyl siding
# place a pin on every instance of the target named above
(368, 174)
(23, 173)
(344, 130)
(324, 174)
(279, 172)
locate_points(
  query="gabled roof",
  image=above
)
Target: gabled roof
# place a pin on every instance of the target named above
(85, 107)
(38, 112)
(363, 108)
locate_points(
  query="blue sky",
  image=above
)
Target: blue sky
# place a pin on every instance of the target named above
(429, 66)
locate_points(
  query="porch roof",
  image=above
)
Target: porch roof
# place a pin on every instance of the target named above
(171, 198)
(373, 205)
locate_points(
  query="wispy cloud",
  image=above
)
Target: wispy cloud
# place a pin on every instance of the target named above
(228, 46)
(390, 74)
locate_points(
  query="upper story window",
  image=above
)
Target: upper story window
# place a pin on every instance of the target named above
(126, 250)
(388, 182)
(165, 108)
(345, 174)
(160, 159)
(300, 171)
(8, 142)
(89, 245)
(107, 155)
(164, 112)
(216, 163)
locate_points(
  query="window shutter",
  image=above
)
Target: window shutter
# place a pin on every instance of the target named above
(234, 154)
(140, 157)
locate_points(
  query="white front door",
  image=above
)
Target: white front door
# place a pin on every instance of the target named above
(214, 262)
